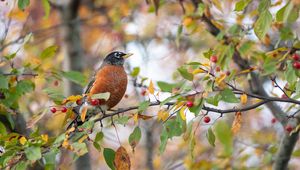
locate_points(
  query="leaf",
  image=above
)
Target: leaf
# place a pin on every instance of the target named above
(201, 9)
(24, 86)
(22, 4)
(220, 79)
(83, 113)
(244, 98)
(151, 88)
(2, 129)
(165, 87)
(135, 72)
(49, 51)
(75, 77)
(143, 106)
(214, 100)
(22, 140)
(163, 140)
(162, 115)
(263, 24)
(264, 5)
(72, 98)
(122, 159)
(21, 166)
(3, 82)
(197, 71)
(223, 134)
(241, 5)
(122, 120)
(135, 137)
(228, 96)
(236, 124)
(105, 96)
(55, 95)
(47, 7)
(169, 99)
(33, 153)
(182, 112)
(79, 148)
(144, 117)
(99, 137)
(185, 74)
(109, 156)
(135, 118)
(211, 137)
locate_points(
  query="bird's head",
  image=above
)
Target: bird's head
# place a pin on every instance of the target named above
(116, 58)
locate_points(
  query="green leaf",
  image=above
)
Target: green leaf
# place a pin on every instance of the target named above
(3, 82)
(135, 137)
(33, 153)
(298, 88)
(75, 77)
(175, 97)
(55, 95)
(143, 106)
(208, 53)
(135, 72)
(49, 158)
(211, 137)
(163, 140)
(2, 129)
(174, 127)
(47, 8)
(10, 56)
(49, 51)
(263, 24)
(228, 96)
(185, 74)
(80, 148)
(246, 47)
(201, 9)
(24, 86)
(198, 104)
(21, 166)
(269, 67)
(165, 87)
(290, 73)
(264, 5)
(241, 5)
(223, 134)
(105, 96)
(109, 156)
(214, 100)
(22, 4)
(99, 137)
(122, 120)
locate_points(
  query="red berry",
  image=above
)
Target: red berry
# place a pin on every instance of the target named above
(273, 120)
(228, 73)
(296, 65)
(206, 119)
(64, 110)
(214, 59)
(79, 102)
(126, 96)
(296, 57)
(95, 102)
(56, 83)
(218, 69)
(289, 128)
(143, 92)
(189, 104)
(53, 110)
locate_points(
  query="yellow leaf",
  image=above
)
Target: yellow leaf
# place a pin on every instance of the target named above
(22, 140)
(72, 129)
(72, 98)
(196, 71)
(122, 159)
(182, 113)
(162, 115)
(220, 79)
(178, 105)
(247, 70)
(82, 138)
(135, 118)
(244, 98)
(44, 137)
(187, 21)
(236, 124)
(206, 64)
(65, 144)
(83, 113)
(151, 87)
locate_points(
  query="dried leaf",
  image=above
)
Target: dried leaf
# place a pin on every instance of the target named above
(22, 140)
(72, 98)
(220, 79)
(244, 98)
(83, 113)
(182, 112)
(144, 117)
(135, 118)
(151, 87)
(162, 115)
(236, 125)
(122, 159)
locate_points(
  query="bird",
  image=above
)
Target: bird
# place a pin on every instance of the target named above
(110, 77)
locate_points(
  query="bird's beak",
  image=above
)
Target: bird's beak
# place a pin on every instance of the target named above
(127, 55)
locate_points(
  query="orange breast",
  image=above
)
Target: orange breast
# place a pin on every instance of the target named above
(112, 79)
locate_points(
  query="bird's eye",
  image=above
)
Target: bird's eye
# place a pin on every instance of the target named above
(117, 55)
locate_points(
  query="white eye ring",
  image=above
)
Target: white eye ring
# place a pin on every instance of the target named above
(117, 55)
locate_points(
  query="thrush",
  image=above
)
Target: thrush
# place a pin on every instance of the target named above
(110, 77)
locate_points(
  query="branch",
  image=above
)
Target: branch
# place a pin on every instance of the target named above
(15, 74)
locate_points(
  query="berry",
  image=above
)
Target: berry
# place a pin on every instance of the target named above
(218, 69)
(126, 96)
(64, 110)
(56, 83)
(273, 120)
(53, 110)
(143, 92)
(189, 104)
(228, 73)
(79, 102)
(289, 128)
(95, 102)
(296, 65)
(296, 57)
(206, 119)
(214, 59)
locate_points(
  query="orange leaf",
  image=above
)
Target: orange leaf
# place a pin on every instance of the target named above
(236, 124)
(122, 160)
(151, 87)
(144, 117)
(244, 98)
(83, 113)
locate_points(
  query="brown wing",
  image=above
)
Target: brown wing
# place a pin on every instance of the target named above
(112, 79)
